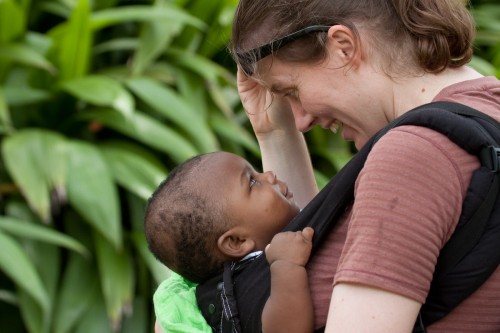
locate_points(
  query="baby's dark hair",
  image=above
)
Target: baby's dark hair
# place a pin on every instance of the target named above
(182, 224)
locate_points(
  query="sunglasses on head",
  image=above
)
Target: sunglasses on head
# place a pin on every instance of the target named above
(248, 58)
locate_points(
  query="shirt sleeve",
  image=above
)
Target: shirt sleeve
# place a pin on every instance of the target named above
(408, 200)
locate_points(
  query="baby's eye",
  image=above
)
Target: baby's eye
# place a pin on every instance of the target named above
(252, 182)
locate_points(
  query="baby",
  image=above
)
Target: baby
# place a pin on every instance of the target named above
(216, 208)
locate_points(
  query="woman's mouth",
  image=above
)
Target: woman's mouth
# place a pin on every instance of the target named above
(334, 127)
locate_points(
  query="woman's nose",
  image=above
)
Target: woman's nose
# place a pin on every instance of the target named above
(303, 121)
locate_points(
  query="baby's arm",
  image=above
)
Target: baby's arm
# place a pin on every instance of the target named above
(289, 307)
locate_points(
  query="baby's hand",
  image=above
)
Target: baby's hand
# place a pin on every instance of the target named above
(293, 247)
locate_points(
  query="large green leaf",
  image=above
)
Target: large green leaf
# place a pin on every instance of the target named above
(8, 297)
(191, 92)
(117, 277)
(154, 38)
(117, 44)
(486, 16)
(220, 28)
(159, 271)
(203, 66)
(74, 42)
(15, 263)
(210, 71)
(33, 231)
(105, 3)
(234, 132)
(487, 37)
(47, 260)
(23, 54)
(33, 316)
(102, 91)
(25, 4)
(137, 321)
(12, 20)
(58, 7)
(79, 283)
(148, 131)
(25, 95)
(92, 192)
(95, 318)
(5, 122)
(325, 145)
(204, 10)
(166, 102)
(321, 179)
(38, 41)
(162, 72)
(134, 168)
(36, 160)
(483, 66)
(112, 16)
(135, 209)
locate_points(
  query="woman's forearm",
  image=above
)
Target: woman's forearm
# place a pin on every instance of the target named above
(287, 155)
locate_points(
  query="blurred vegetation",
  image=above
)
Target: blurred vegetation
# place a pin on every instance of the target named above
(98, 101)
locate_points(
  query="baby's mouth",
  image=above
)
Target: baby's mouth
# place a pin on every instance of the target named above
(284, 189)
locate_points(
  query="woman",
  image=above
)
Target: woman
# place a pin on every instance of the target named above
(357, 65)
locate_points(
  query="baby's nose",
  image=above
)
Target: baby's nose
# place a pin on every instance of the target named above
(270, 177)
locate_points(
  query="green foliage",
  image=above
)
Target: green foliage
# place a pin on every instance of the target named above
(99, 99)
(487, 43)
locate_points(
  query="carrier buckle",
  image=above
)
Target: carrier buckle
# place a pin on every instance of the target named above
(495, 158)
(490, 158)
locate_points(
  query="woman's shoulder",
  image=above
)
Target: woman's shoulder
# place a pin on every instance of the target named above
(421, 149)
(482, 94)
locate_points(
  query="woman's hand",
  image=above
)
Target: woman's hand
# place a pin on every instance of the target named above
(268, 113)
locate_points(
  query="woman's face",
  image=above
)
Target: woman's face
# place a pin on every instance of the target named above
(330, 93)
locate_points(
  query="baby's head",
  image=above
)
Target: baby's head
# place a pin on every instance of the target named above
(214, 208)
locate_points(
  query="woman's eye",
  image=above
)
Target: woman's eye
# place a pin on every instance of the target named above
(292, 94)
(252, 182)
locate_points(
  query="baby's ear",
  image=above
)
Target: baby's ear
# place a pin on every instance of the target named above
(234, 245)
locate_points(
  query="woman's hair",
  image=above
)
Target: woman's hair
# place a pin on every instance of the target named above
(182, 224)
(408, 34)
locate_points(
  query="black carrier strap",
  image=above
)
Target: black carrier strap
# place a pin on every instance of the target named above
(468, 259)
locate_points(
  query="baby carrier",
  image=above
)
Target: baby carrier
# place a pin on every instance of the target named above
(233, 300)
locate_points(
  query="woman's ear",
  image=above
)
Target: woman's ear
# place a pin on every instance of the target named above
(234, 245)
(344, 45)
